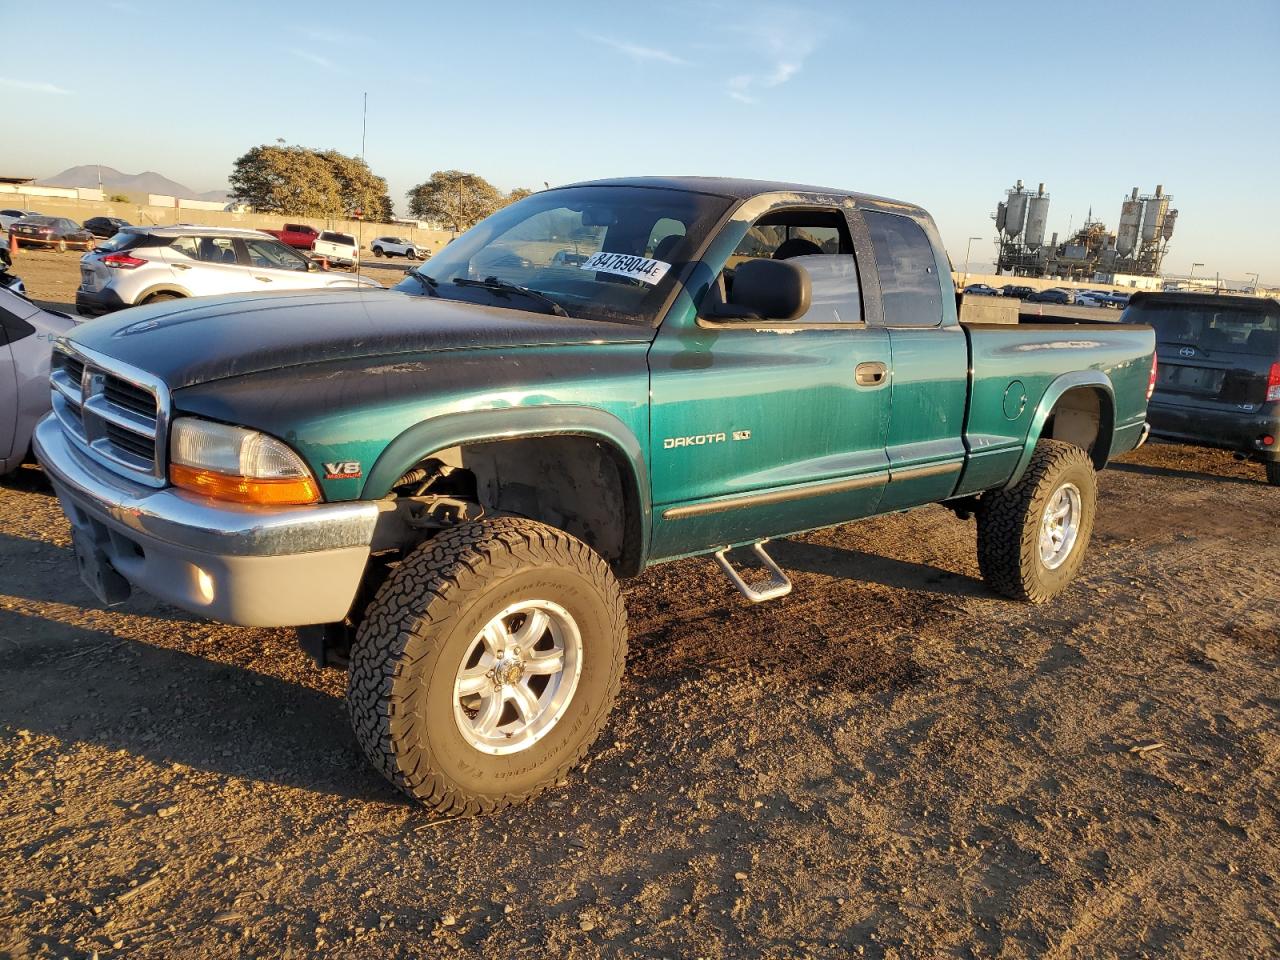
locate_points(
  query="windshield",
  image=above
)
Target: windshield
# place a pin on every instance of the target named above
(602, 253)
(1209, 327)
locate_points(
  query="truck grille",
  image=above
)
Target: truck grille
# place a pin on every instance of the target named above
(113, 413)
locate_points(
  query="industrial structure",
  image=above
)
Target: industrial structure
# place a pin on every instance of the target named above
(1135, 250)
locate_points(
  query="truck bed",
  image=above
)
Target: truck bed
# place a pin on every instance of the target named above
(1013, 366)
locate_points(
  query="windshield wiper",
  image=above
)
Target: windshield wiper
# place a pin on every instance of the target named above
(428, 283)
(493, 283)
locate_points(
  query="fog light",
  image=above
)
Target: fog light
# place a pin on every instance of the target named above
(204, 584)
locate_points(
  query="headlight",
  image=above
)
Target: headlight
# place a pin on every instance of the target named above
(231, 463)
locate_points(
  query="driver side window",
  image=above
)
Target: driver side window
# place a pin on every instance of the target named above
(273, 256)
(817, 241)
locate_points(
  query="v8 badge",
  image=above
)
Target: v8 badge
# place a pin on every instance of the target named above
(343, 470)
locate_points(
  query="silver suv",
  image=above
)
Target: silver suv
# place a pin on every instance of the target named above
(146, 264)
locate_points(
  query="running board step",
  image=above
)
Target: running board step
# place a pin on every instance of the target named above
(778, 584)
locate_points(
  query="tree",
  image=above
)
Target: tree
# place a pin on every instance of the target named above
(519, 193)
(455, 197)
(300, 182)
(359, 188)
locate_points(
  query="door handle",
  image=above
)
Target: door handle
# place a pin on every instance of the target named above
(263, 279)
(182, 266)
(870, 374)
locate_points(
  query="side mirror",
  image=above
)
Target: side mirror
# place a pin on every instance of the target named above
(312, 266)
(767, 290)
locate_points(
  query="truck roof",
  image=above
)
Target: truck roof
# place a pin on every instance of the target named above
(743, 189)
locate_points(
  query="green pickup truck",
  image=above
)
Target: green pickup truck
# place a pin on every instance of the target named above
(441, 484)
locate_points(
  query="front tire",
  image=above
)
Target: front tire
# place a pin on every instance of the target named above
(487, 664)
(62, 246)
(1273, 472)
(1032, 537)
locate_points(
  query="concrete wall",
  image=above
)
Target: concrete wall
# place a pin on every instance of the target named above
(180, 212)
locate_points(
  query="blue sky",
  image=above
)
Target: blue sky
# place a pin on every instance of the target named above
(941, 103)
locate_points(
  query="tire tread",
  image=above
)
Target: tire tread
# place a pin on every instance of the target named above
(429, 589)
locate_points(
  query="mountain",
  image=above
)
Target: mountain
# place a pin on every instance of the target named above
(113, 181)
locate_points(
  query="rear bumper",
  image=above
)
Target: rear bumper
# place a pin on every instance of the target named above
(92, 303)
(1224, 429)
(256, 566)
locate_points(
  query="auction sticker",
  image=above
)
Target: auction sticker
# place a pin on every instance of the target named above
(638, 268)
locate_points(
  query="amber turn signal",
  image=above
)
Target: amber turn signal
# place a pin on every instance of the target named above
(278, 492)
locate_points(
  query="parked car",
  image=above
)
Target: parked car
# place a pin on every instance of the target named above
(443, 481)
(1052, 295)
(105, 227)
(982, 290)
(395, 247)
(26, 339)
(1013, 290)
(1111, 298)
(1088, 298)
(1219, 382)
(10, 216)
(57, 232)
(297, 235)
(146, 264)
(337, 248)
(9, 280)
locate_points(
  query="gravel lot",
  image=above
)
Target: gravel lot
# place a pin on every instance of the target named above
(891, 762)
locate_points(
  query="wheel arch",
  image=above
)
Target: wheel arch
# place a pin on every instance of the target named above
(596, 427)
(1089, 398)
(155, 288)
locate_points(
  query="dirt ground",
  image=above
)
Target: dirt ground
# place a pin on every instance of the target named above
(892, 762)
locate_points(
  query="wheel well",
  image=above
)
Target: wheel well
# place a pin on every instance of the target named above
(152, 291)
(1083, 417)
(575, 483)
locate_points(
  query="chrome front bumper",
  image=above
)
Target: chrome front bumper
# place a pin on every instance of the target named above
(257, 566)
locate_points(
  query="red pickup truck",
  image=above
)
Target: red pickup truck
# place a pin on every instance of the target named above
(297, 235)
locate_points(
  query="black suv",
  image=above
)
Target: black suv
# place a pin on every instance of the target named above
(105, 227)
(1013, 290)
(1219, 378)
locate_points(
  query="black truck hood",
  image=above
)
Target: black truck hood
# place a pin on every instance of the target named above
(210, 338)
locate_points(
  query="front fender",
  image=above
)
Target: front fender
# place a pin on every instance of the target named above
(451, 430)
(1094, 379)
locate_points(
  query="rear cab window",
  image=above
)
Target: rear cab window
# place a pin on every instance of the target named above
(910, 288)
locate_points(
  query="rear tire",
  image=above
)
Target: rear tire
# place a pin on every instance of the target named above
(377, 251)
(1032, 537)
(440, 650)
(1273, 472)
(161, 297)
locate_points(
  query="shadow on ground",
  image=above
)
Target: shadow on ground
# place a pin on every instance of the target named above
(172, 707)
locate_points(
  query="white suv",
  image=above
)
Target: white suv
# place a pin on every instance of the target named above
(396, 247)
(146, 264)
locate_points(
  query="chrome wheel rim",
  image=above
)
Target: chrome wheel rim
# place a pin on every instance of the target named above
(1060, 526)
(517, 677)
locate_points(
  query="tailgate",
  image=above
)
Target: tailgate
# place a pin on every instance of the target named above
(1210, 379)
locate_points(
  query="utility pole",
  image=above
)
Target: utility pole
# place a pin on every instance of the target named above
(364, 129)
(967, 247)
